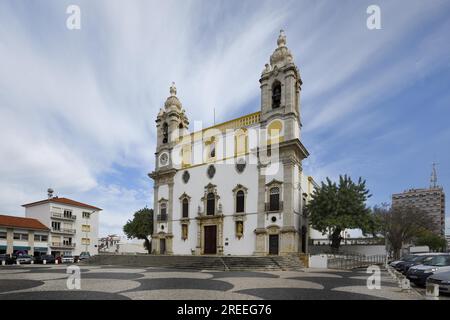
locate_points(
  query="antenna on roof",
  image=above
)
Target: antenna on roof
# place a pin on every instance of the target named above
(50, 193)
(433, 179)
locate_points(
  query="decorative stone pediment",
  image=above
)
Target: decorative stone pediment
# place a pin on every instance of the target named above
(240, 187)
(162, 200)
(274, 182)
(184, 196)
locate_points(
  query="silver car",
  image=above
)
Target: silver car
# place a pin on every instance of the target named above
(67, 259)
(24, 259)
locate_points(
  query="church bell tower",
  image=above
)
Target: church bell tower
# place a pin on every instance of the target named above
(280, 89)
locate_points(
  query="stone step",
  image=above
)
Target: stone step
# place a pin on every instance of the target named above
(233, 263)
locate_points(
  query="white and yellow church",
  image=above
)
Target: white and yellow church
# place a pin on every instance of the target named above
(236, 188)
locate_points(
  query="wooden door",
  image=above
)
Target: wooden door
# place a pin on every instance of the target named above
(162, 246)
(210, 239)
(273, 244)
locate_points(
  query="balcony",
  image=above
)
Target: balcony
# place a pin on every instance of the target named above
(59, 215)
(64, 231)
(62, 245)
(273, 207)
(161, 217)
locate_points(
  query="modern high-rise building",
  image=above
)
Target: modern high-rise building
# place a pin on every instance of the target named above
(431, 201)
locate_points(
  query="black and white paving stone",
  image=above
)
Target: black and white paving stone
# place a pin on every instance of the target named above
(49, 282)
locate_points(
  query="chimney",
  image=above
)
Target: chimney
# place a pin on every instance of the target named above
(50, 193)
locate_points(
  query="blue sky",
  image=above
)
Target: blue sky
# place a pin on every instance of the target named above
(77, 107)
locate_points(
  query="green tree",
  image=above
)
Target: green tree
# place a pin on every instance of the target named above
(140, 227)
(334, 208)
(432, 240)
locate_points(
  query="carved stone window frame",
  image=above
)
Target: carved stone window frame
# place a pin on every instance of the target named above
(272, 184)
(211, 188)
(160, 203)
(235, 190)
(182, 198)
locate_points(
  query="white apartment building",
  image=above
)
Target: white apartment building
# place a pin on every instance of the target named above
(73, 225)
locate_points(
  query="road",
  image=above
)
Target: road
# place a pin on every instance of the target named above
(114, 282)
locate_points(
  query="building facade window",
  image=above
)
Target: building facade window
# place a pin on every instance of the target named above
(40, 237)
(185, 208)
(240, 193)
(67, 214)
(2, 235)
(210, 200)
(240, 142)
(21, 236)
(85, 241)
(274, 199)
(86, 228)
(56, 225)
(240, 200)
(86, 215)
(210, 204)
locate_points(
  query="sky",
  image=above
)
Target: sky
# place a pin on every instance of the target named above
(78, 107)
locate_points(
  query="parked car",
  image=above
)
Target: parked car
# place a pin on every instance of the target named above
(419, 274)
(84, 255)
(7, 258)
(420, 258)
(68, 259)
(24, 259)
(442, 279)
(47, 257)
(402, 259)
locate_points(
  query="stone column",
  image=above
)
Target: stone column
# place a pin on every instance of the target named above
(31, 242)
(169, 242)
(9, 241)
(288, 234)
(155, 205)
(288, 192)
(260, 241)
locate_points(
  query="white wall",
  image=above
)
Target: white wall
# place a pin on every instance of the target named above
(226, 179)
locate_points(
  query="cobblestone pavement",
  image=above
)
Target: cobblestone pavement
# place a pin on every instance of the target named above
(113, 282)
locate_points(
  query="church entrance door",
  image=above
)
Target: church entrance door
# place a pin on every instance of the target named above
(162, 246)
(210, 239)
(273, 244)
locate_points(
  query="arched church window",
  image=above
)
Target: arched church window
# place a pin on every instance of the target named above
(276, 95)
(210, 204)
(240, 200)
(185, 208)
(212, 150)
(165, 132)
(274, 200)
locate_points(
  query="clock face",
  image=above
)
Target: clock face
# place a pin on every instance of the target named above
(164, 159)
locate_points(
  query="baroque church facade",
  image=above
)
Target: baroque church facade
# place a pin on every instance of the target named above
(236, 188)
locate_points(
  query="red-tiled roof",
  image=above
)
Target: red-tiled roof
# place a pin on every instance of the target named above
(19, 222)
(66, 201)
